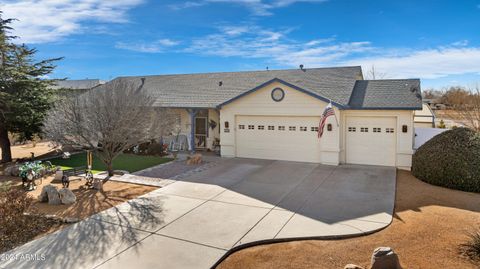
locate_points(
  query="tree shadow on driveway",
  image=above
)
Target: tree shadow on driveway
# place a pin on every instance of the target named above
(88, 243)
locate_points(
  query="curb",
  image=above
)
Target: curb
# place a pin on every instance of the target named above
(285, 240)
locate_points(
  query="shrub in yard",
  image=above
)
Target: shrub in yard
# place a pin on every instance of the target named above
(450, 159)
(471, 249)
(13, 203)
(16, 228)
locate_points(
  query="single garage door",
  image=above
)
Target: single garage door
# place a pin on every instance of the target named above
(278, 138)
(371, 140)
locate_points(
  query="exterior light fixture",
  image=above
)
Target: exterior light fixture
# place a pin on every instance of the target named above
(329, 127)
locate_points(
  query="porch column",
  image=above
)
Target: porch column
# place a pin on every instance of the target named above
(192, 112)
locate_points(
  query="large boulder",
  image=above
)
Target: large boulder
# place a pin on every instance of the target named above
(450, 159)
(50, 194)
(384, 258)
(12, 170)
(67, 197)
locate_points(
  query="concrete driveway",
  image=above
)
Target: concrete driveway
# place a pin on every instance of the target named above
(192, 222)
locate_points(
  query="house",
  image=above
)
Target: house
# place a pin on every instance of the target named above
(424, 118)
(435, 103)
(79, 86)
(275, 114)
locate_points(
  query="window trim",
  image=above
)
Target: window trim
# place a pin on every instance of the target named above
(276, 90)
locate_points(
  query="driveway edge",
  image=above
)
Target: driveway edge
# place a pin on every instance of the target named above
(284, 240)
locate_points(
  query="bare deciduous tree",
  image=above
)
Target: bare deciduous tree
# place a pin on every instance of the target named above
(468, 108)
(108, 120)
(373, 74)
(432, 94)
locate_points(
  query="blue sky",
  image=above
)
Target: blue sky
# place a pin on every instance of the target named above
(437, 41)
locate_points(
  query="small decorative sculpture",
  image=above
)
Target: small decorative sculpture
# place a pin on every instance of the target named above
(213, 124)
(65, 181)
(28, 180)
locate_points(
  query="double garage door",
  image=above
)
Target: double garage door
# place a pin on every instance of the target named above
(369, 140)
(278, 138)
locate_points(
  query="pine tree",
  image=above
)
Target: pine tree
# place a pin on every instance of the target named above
(25, 94)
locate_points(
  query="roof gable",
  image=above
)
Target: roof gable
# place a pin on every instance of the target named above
(261, 86)
(386, 94)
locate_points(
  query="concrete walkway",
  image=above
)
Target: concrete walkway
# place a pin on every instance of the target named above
(192, 222)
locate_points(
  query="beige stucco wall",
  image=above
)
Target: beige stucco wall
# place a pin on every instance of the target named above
(419, 124)
(214, 115)
(404, 145)
(295, 103)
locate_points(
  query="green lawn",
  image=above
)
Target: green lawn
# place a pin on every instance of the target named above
(129, 162)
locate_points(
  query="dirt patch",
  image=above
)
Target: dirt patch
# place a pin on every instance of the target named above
(88, 202)
(429, 225)
(24, 151)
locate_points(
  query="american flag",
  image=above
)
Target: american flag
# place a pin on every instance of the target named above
(326, 113)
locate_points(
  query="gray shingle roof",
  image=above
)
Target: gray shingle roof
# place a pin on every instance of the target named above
(337, 84)
(203, 90)
(80, 84)
(386, 94)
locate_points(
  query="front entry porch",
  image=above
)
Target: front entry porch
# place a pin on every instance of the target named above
(199, 130)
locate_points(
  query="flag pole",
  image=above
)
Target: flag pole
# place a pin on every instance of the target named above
(335, 114)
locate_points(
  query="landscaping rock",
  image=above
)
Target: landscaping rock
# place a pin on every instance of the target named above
(43, 197)
(7, 171)
(15, 171)
(12, 170)
(353, 266)
(71, 220)
(385, 258)
(67, 196)
(194, 159)
(50, 193)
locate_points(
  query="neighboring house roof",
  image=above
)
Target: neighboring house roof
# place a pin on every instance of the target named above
(80, 84)
(209, 90)
(386, 94)
(424, 115)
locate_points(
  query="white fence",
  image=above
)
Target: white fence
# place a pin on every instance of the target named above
(422, 135)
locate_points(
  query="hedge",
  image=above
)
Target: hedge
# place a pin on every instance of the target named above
(450, 159)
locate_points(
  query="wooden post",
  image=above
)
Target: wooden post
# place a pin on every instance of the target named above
(192, 113)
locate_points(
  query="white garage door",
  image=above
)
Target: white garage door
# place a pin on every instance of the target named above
(371, 140)
(278, 138)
